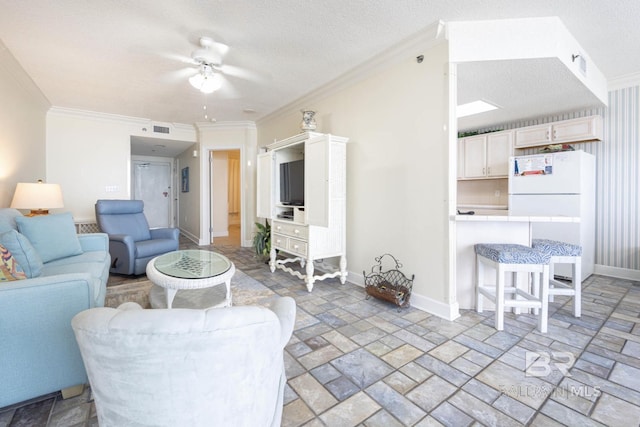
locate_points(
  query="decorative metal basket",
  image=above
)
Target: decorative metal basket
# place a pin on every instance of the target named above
(390, 285)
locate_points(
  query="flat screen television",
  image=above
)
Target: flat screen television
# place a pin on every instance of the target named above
(292, 183)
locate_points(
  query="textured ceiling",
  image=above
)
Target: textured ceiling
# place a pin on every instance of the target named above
(131, 57)
(522, 89)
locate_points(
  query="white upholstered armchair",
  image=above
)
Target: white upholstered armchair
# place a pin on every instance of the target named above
(184, 367)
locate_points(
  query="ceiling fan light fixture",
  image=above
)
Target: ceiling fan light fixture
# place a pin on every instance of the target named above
(196, 80)
(207, 80)
(211, 83)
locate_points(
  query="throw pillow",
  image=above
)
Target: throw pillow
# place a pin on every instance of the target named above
(9, 268)
(23, 252)
(53, 236)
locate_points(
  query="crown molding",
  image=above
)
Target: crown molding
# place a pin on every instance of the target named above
(415, 45)
(13, 68)
(94, 115)
(622, 82)
(242, 124)
(108, 117)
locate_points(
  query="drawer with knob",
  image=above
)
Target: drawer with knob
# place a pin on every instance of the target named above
(298, 247)
(293, 230)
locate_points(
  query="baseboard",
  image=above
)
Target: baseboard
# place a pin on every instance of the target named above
(438, 308)
(191, 237)
(421, 302)
(620, 273)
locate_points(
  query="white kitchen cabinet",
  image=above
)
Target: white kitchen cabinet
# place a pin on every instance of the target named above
(475, 156)
(317, 229)
(460, 158)
(582, 129)
(486, 155)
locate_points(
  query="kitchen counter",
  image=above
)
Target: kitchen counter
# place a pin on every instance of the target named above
(504, 228)
(503, 216)
(485, 209)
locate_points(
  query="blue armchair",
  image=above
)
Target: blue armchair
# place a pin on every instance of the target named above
(131, 243)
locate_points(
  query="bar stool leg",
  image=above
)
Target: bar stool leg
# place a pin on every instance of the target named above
(577, 287)
(514, 283)
(479, 279)
(551, 276)
(500, 279)
(544, 298)
(535, 284)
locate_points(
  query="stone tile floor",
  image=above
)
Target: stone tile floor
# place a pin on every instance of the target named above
(358, 362)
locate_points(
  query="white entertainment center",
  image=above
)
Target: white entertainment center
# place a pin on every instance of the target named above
(308, 221)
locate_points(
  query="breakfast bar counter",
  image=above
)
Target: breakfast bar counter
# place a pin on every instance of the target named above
(495, 228)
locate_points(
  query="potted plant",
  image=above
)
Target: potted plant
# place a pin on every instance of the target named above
(262, 240)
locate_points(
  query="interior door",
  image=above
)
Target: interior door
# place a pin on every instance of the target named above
(152, 185)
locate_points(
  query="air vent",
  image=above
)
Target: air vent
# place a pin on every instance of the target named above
(583, 65)
(160, 129)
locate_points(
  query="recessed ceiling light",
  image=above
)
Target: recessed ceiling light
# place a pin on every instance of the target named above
(475, 107)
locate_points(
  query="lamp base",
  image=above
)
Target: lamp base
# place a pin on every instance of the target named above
(38, 212)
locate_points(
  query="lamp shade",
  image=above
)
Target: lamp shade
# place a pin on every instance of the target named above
(206, 82)
(39, 197)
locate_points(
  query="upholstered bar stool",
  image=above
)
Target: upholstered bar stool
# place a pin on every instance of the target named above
(563, 253)
(513, 258)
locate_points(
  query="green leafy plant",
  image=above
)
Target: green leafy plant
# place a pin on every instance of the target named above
(262, 239)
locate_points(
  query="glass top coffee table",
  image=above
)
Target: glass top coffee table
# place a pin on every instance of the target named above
(190, 269)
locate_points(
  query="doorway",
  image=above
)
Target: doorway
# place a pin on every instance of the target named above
(152, 184)
(225, 198)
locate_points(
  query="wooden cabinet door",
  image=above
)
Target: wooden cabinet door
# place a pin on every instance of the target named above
(499, 148)
(265, 189)
(316, 181)
(582, 129)
(475, 154)
(532, 136)
(460, 158)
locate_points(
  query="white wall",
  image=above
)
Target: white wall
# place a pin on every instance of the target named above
(230, 136)
(189, 212)
(397, 167)
(23, 110)
(89, 155)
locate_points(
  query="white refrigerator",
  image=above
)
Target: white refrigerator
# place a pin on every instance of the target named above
(557, 184)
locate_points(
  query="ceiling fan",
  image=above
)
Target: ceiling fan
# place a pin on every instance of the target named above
(209, 59)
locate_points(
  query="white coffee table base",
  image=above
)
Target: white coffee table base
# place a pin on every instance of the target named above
(190, 298)
(171, 285)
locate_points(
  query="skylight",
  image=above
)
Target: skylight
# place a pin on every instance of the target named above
(475, 107)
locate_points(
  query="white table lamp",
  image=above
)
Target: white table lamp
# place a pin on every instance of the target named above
(38, 197)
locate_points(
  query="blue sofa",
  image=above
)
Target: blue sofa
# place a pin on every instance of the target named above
(66, 274)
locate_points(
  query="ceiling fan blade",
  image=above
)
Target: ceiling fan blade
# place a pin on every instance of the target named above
(178, 58)
(227, 90)
(241, 73)
(177, 75)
